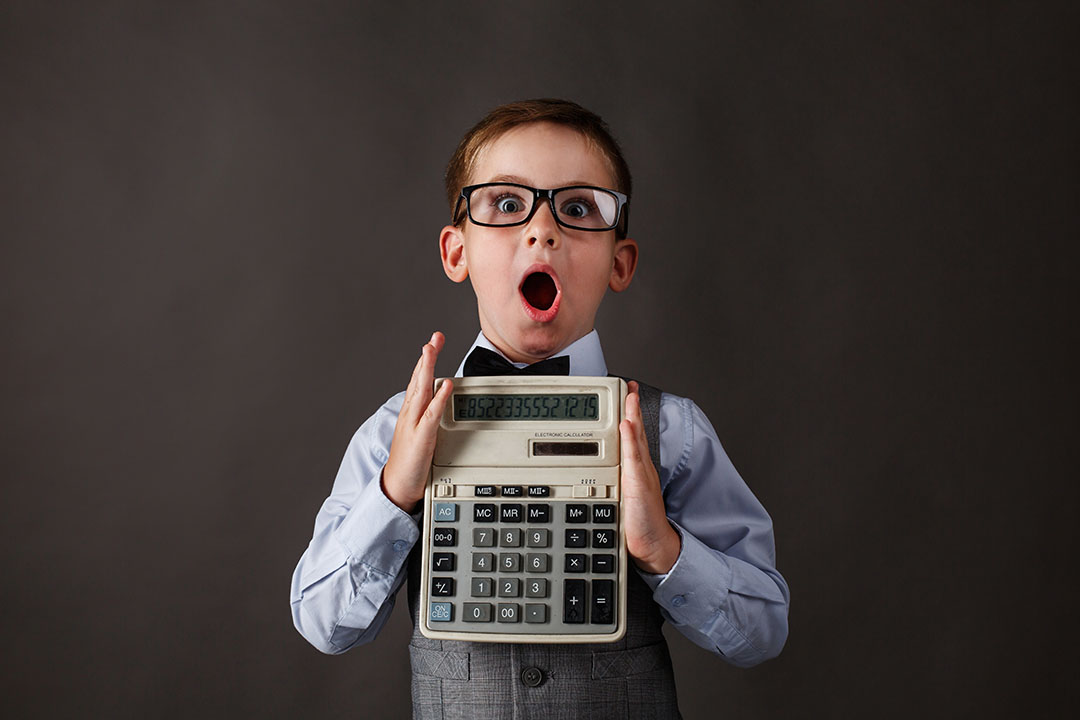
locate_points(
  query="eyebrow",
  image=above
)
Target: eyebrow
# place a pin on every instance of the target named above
(523, 181)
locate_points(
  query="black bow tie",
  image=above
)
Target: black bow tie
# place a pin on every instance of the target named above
(482, 361)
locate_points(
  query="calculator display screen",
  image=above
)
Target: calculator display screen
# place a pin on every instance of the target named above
(527, 407)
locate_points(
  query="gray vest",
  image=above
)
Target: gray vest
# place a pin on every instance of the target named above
(631, 678)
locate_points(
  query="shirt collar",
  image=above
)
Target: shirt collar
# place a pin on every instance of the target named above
(586, 355)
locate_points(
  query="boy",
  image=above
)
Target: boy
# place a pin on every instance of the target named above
(540, 262)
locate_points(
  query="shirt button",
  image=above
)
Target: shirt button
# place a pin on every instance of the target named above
(678, 601)
(532, 677)
(400, 545)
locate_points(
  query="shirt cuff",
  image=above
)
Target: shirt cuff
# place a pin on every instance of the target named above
(376, 532)
(681, 591)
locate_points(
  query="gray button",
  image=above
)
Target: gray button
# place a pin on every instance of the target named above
(536, 613)
(532, 677)
(509, 613)
(481, 587)
(509, 587)
(482, 562)
(536, 562)
(538, 537)
(510, 562)
(536, 588)
(477, 612)
(510, 537)
(483, 537)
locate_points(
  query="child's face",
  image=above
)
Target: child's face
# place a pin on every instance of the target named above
(538, 285)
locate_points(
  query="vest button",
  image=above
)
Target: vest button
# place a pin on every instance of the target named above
(532, 677)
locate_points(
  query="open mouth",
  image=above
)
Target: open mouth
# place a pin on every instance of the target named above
(539, 290)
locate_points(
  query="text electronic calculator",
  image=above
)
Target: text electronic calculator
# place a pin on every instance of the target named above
(523, 538)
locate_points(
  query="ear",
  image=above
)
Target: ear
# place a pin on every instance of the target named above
(452, 251)
(623, 265)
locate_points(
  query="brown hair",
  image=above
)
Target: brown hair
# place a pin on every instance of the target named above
(506, 117)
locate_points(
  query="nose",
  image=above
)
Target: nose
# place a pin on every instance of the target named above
(542, 228)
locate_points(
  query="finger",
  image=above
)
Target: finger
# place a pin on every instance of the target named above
(437, 405)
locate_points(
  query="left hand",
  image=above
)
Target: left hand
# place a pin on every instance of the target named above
(650, 539)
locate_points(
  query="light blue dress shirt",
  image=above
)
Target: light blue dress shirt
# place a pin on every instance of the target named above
(723, 593)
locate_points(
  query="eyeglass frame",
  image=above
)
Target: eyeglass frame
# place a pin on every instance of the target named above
(622, 211)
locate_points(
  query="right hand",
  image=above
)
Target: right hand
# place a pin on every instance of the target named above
(406, 472)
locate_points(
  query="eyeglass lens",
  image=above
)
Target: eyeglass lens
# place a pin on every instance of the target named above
(589, 208)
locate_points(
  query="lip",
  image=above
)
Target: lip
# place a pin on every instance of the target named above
(536, 314)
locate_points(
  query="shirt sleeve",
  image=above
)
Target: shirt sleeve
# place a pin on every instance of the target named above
(723, 592)
(343, 588)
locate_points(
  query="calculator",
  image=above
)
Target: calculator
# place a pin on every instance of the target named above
(522, 534)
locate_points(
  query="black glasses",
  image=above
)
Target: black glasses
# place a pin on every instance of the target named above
(579, 207)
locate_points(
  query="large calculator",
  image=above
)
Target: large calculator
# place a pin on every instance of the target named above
(522, 536)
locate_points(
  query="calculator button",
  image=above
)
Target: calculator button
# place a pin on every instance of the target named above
(573, 601)
(601, 491)
(443, 562)
(509, 613)
(536, 613)
(482, 562)
(603, 602)
(481, 587)
(603, 538)
(483, 537)
(584, 491)
(537, 562)
(510, 512)
(509, 587)
(577, 538)
(477, 612)
(577, 513)
(539, 491)
(575, 563)
(539, 513)
(510, 562)
(510, 537)
(538, 537)
(442, 587)
(603, 513)
(444, 491)
(536, 588)
(603, 563)
(483, 512)
(511, 491)
(445, 512)
(484, 491)
(441, 612)
(444, 537)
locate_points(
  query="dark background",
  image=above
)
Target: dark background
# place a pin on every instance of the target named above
(219, 226)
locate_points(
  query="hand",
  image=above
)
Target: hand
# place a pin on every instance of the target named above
(650, 539)
(406, 473)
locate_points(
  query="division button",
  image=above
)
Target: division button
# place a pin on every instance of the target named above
(539, 491)
(483, 512)
(476, 612)
(573, 601)
(603, 513)
(443, 561)
(484, 491)
(510, 512)
(603, 602)
(575, 563)
(536, 613)
(511, 491)
(445, 512)
(576, 537)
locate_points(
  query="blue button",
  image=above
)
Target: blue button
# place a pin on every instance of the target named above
(400, 545)
(678, 601)
(441, 612)
(445, 512)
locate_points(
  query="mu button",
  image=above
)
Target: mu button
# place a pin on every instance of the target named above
(532, 677)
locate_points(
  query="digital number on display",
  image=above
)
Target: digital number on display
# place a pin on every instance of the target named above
(527, 407)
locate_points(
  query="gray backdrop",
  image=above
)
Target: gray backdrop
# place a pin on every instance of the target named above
(219, 224)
